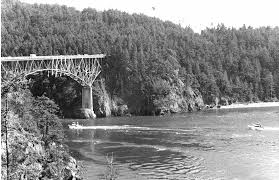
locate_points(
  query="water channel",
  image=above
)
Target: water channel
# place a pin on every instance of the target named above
(213, 144)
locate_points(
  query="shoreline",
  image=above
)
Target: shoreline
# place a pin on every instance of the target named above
(251, 105)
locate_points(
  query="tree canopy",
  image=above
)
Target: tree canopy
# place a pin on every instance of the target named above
(147, 56)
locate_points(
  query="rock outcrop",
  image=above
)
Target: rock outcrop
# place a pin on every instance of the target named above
(180, 99)
(119, 107)
(102, 105)
(71, 170)
(105, 106)
(80, 113)
(195, 101)
(224, 101)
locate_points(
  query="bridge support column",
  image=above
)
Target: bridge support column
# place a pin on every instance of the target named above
(87, 102)
(87, 99)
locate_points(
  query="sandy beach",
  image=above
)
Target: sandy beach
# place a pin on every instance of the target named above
(251, 105)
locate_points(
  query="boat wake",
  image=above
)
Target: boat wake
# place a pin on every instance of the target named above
(128, 127)
(271, 128)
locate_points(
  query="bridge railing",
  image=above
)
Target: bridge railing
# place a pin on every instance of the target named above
(67, 57)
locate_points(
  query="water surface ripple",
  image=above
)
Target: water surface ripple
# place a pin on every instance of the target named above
(205, 145)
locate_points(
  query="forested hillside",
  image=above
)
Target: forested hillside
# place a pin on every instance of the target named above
(151, 63)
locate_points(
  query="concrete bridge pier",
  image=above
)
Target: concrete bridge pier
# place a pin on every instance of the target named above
(87, 103)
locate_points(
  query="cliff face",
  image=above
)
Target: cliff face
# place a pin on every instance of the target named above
(102, 105)
(106, 105)
(179, 98)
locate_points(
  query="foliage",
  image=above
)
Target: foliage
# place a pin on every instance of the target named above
(31, 135)
(24, 151)
(220, 61)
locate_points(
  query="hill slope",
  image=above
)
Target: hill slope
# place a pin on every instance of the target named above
(154, 66)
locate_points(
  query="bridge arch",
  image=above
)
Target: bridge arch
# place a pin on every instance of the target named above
(59, 73)
(84, 69)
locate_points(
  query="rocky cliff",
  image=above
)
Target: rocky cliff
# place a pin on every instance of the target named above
(180, 98)
(106, 105)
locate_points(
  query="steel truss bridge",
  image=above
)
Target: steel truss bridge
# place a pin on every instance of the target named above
(82, 68)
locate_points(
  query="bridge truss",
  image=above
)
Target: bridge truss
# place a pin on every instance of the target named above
(82, 68)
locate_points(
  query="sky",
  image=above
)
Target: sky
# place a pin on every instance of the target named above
(198, 14)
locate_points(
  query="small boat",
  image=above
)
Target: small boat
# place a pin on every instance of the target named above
(75, 126)
(256, 126)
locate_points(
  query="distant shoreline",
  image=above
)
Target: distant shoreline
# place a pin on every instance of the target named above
(251, 105)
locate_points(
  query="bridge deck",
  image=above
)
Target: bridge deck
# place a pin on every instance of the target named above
(64, 57)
